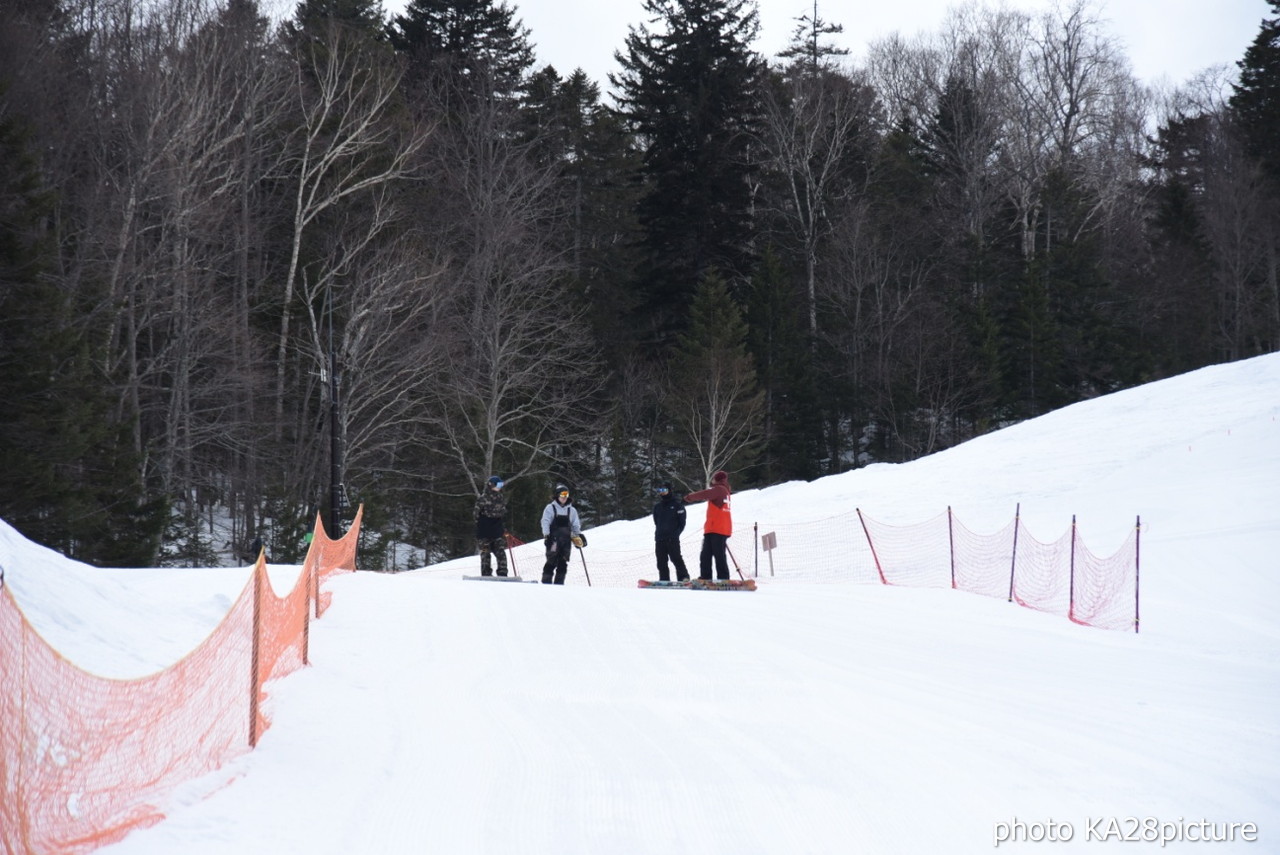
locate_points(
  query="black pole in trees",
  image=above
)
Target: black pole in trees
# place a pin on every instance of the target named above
(337, 495)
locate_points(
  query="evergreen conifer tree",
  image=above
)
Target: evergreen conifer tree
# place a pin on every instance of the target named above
(479, 45)
(358, 15)
(690, 94)
(68, 477)
(1256, 99)
(793, 442)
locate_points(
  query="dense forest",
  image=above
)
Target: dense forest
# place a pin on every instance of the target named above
(258, 269)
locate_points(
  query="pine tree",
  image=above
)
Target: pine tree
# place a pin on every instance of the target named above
(311, 16)
(571, 132)
(793, 442)
(690, 94)
(68, 478)
(807, 49)
(1256, 105)
(478, 45)
(1256, 99)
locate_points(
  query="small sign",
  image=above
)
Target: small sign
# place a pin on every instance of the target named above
(769, 541)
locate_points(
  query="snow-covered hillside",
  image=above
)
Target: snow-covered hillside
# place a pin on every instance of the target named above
(443, 716)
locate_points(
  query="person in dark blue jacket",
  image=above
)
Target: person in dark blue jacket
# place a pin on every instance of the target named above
(668, 524)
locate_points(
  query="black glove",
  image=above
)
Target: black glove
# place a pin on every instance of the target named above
(546, 541)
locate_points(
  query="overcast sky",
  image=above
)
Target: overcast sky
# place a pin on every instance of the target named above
(1170, 39)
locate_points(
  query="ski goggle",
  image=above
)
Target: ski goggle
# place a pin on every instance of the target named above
(497, 485)
(662, 491)
(564, 494)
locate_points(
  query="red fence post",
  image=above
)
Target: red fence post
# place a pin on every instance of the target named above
(876, 558)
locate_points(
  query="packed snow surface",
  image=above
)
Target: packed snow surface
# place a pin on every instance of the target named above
(447, 716)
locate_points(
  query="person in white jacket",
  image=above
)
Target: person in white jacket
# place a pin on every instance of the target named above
(561, 530)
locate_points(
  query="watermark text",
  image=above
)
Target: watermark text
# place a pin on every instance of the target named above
(1128, 829)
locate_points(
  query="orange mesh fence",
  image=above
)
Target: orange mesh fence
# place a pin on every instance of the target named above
(785, 552)
(327, 558)
(93, 758)
(983, 561)
(916, 556)
(1042, 573)
(1104, 591)
(1061, 577)
(85, 759)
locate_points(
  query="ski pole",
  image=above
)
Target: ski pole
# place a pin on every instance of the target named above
(511, 552)
(735, 561)
(583, 556)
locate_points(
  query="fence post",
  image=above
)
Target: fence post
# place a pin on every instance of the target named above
(951, 544)
(306, 623)
(1071, 575)
(253, 663)
(755, 538)
(876, 558)
(1013, 560)
(1137, 555)
(315, 587)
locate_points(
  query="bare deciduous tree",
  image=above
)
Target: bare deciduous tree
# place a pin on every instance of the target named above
(711, 394)
(348, 144)
(520, 370)
(812, 123)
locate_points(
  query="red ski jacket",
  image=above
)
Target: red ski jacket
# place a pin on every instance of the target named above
(719, 519)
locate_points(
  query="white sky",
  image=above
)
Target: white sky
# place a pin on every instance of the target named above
(446, 716)
(1173, 38)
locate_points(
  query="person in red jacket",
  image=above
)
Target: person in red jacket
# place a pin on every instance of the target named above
(719, 525)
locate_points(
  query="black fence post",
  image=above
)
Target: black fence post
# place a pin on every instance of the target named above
(951, 543)
(1013, 560)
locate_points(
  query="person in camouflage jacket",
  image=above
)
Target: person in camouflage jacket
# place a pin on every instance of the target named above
(491, 528)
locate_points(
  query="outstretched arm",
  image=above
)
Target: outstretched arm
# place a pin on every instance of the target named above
(711, 494)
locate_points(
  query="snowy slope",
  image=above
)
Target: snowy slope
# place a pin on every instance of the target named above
(443, 716)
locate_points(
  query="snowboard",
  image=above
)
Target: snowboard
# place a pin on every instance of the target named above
(723, 584)
(647, 583)
(495, 579)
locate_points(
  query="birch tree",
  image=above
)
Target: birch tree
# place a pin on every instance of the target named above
(348, 144)
(519, 371)
(813, 122)
(712, 396)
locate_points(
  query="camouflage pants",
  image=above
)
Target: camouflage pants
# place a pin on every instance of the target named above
(498, 546)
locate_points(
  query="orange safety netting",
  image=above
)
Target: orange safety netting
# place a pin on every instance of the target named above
(1061, 577)
(85, 759)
